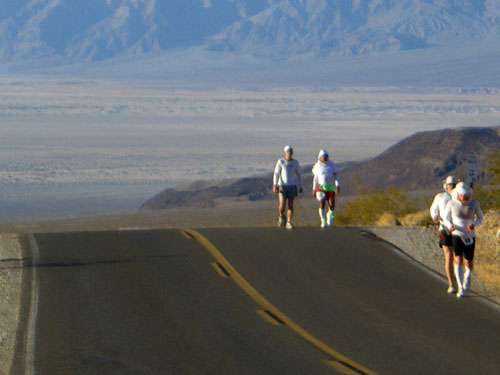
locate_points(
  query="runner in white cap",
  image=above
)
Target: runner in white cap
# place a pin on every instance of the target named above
(462, 215)
(437, 211)
(325, 186)
(287, 183)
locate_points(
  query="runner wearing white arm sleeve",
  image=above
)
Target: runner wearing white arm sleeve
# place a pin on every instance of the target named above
(462, 215)
(325, 186)
(287, 173)
(287, 182)
(437, 211)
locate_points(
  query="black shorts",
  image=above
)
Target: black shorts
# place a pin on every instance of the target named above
(445, 239)
(461, 249)
(288, 191)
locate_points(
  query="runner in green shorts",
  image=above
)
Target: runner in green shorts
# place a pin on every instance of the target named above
(325, 186)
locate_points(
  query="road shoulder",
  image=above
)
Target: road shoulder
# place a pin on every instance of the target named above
(421, 244)
(10, 296)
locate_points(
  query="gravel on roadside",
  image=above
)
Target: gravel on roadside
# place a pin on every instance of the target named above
(421, 244)
(10, 297)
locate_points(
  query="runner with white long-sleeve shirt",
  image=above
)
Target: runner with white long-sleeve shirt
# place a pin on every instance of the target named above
(325, 186)
(287, 182)
(437, 211)
(462, 215)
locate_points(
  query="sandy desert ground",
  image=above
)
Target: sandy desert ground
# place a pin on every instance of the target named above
(77, 147)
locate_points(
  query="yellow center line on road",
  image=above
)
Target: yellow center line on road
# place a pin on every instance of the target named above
(266, 305)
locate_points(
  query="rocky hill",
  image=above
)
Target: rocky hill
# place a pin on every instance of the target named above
(423, 159)
(418, 162)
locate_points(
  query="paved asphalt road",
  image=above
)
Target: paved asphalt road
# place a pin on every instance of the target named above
(155, 302)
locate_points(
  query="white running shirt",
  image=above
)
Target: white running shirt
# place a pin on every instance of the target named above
(438, 208)
(325, 174)
(460, 215)
(287, 173)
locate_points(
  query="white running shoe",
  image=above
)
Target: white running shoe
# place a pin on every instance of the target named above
(460, 293)
(323, 223)
(451, 289)
(289, 225)
(329, 218)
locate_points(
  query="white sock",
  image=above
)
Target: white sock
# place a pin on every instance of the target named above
(321, 213)
(459, 275)
(467, 274)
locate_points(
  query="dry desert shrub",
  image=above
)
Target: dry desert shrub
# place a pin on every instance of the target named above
(420, 218)
(386, 219)
(416, 218)
(487, 259)
(367, 207)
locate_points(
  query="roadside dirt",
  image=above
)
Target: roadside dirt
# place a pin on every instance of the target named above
(10, 297)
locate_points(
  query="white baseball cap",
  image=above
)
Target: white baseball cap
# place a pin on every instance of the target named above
(288, 148)
(451, 180)
(322, 152)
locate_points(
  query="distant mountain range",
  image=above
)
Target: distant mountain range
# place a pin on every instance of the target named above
(419, 162)
(295, 28)
(71, 31)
